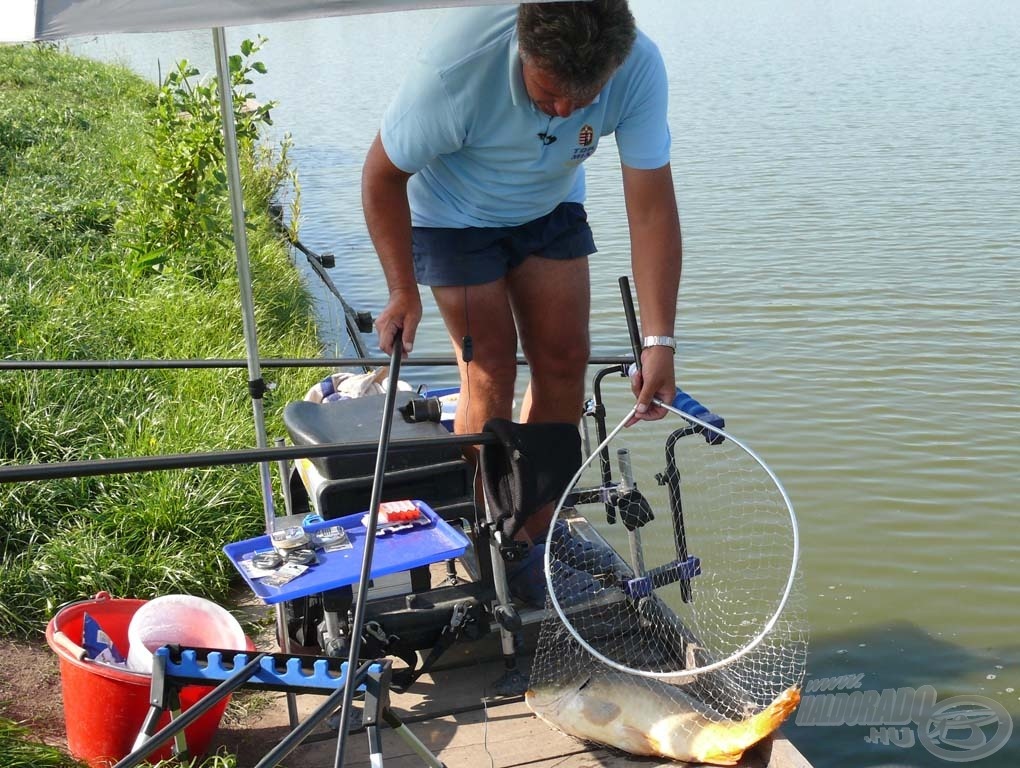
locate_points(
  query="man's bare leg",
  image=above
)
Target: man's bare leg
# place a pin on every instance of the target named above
(487, 382)
(551, 302)
(550, 299)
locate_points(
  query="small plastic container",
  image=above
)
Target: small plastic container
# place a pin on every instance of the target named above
(180, 619)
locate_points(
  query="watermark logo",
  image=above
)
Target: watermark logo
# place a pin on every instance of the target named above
(959, 729)
(965, 728)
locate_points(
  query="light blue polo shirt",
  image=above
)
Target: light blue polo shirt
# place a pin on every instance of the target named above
(463, 124)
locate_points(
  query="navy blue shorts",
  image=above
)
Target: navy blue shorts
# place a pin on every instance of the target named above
(446, 256)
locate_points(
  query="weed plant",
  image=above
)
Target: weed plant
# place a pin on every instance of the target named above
(116, 244)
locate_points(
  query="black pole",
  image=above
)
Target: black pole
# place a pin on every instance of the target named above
(631, 315)
(350, 314)
(676, 507)
(55, 470)
(366, 559)
(226, 363)
(605, 467)
(635, 343)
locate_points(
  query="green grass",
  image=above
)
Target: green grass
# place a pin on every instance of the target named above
(83, 197)
(17, 750)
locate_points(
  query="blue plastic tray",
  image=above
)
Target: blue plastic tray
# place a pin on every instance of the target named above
(394, 552)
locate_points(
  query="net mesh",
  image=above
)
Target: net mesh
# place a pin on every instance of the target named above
(732, 636)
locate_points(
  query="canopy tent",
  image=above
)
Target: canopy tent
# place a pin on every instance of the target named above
(25, 20)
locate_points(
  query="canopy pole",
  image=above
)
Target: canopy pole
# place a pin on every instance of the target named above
(256, 386)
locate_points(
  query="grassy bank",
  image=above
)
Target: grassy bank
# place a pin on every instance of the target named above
(115, 245)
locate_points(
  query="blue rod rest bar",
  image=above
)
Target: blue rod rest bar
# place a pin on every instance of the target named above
(669, 573)
(283, 672)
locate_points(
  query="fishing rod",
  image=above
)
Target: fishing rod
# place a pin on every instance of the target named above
(355, 322)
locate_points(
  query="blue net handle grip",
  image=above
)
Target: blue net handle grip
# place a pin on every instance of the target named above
(684, 402)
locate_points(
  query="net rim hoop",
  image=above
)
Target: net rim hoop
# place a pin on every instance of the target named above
(754, 642)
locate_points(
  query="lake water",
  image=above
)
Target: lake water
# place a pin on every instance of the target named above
(848, 176)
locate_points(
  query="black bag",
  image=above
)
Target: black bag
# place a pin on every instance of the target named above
(529, 468)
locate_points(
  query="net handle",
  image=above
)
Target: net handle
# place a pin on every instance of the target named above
(755, 641)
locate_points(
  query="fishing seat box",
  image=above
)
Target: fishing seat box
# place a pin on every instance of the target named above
(341, 485)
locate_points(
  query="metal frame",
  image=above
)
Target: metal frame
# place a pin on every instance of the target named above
(174, 667)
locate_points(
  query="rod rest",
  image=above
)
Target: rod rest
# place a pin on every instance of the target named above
(676, 570)
(279, 671)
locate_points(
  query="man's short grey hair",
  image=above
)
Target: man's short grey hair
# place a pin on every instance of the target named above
(581, 43)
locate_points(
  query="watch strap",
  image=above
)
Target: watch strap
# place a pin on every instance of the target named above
(658, 341)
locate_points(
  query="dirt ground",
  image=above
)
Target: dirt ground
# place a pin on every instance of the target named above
(30, 689)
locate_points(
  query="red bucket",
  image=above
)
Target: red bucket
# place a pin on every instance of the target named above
(104, 706)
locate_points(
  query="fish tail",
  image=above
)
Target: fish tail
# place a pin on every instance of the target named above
(769, 719)
(728, 740)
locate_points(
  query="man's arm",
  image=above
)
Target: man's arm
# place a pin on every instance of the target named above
(388, 216)
(656, 257)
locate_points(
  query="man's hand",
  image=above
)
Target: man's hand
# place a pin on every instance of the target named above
(655, 379)
(403, 313)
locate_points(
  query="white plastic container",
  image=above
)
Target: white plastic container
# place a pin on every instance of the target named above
(180, 619)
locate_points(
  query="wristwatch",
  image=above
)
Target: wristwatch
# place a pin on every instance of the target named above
(658, 341)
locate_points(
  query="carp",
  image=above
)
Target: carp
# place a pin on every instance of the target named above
(648, 717)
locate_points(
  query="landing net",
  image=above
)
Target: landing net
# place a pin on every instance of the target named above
(673, 557)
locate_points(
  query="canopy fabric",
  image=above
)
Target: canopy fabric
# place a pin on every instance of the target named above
(24, 20)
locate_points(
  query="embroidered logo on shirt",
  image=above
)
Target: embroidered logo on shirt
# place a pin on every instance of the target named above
(586, 146)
